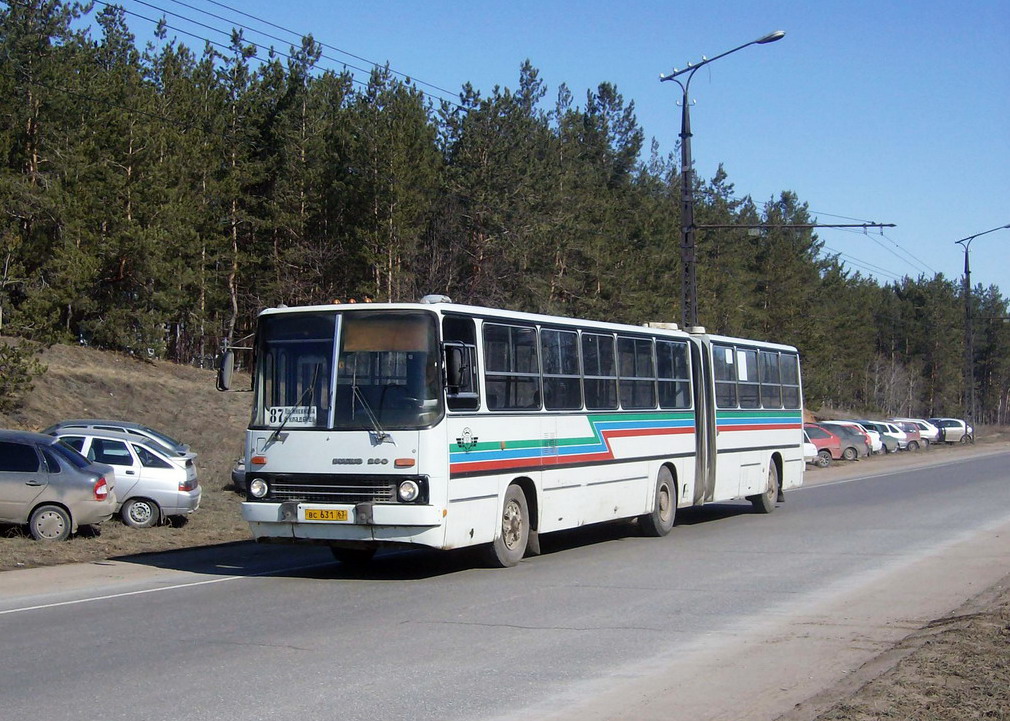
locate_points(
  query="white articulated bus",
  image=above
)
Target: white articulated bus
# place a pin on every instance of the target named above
(448, 425)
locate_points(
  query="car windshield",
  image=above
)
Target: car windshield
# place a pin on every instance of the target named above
(361, 370)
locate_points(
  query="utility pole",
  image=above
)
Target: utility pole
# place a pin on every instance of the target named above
(969, 329)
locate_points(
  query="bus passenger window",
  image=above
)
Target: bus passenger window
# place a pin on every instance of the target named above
(560, 353)
(599, 371)
(674, 375)
(724, 365)
(512, 367)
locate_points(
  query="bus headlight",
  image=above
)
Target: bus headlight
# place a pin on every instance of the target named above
(258, 488)
(408, 491)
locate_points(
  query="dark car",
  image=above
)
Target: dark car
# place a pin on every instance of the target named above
(854, 443)
(51, 487)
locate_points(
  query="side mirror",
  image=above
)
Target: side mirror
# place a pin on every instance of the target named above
(225, 369)
(454, 365)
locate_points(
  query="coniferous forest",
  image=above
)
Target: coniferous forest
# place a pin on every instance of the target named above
(156, 197)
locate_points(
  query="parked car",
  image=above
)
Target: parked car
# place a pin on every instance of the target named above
(153, 484)
(891, 437)
(50, 487)
(857, 437)
(913, 439)
(872, 434)
(810, 453)
(829, 446)
(78, 424)
(855, 444)
(238, 480)
(954, 430)
(928, 433)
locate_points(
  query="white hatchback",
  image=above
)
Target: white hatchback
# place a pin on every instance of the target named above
(152, 483)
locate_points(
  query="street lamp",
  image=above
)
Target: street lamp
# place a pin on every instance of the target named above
(969, 331)
(689, 280)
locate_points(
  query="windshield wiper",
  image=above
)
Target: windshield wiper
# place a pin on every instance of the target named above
(380, 435)
(298, 404)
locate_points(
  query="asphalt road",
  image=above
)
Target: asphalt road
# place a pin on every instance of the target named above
(733, 615)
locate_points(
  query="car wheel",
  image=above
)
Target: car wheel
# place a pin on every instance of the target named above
(140, 513)
(913, 446)
(850, 453)
(49, 523)
(823, 458)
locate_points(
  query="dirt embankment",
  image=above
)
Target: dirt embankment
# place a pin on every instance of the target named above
(180, 400)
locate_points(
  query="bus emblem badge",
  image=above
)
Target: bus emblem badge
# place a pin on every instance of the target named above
(467, 441)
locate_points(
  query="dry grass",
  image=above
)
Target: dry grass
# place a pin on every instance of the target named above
(180, 400)
(959, 670)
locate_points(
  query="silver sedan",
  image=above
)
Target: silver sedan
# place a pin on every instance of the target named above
(50, 487)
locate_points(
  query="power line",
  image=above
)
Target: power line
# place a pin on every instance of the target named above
(406, 76)
(870, 267)
(259, 46)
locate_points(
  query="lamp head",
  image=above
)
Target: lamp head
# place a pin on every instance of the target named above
(771, 37)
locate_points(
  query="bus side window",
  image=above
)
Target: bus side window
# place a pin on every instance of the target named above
(790, 374)
(724, 364)
(511, 367)
(460, 363)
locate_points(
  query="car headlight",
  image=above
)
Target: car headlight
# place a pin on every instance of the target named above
(258, 488)
(408, 491)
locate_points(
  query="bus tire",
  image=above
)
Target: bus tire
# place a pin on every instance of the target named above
(765, 502)
(664, 513)
(510, 542)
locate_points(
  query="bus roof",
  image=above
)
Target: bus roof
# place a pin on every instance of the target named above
(662, 329)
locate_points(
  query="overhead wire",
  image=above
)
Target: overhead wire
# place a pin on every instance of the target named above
(851, 259)
(205, 39)
(259, 46)
(913, 259)
(323, 44)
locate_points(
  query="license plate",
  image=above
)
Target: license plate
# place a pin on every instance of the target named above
(325, 514)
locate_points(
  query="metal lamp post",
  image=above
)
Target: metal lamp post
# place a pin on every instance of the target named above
(689, 279)
(969, 330)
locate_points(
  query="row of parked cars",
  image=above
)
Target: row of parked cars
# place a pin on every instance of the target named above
(853, 439)
(82, 472)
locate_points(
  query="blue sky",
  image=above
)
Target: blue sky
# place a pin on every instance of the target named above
(891, 112)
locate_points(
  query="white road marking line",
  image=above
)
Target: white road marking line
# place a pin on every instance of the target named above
(124, 594)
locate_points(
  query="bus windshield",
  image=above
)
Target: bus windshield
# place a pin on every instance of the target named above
(363, 370)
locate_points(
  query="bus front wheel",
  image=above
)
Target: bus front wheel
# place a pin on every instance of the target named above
(510, 542)
(664, 513)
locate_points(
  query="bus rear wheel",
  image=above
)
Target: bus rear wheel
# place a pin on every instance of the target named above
(765, 502)
(664, 513)
(510, 542)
